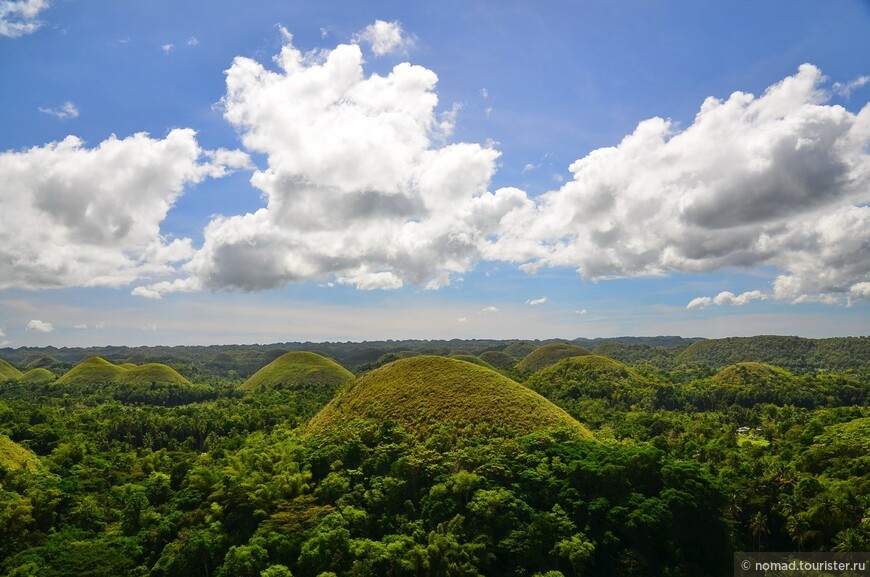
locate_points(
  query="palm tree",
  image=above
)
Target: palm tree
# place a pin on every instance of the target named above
(758, 528)
(849, 540)
(798, 529)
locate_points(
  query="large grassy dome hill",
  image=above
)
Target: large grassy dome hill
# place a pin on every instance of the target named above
(299, 370)
(424, 391)
(549, 355)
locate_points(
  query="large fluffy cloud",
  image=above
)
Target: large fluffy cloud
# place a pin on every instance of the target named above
(779, 179)
(360, 188)
(20, 17)
(357, 186)
(78, 216)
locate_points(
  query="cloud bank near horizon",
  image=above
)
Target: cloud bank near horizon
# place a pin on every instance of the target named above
(362, 187)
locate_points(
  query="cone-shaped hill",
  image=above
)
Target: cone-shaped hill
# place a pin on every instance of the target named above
(750, 383)
(549, 355)
(590, 376)
(91, 371)
(13, 456)
(97, 371)
(753, 374)
(300, 371)
(423, 391)
(8, 372)
(499, 360)
(150, 373)
(37, 376)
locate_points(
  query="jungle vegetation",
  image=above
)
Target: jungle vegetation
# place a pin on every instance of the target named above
(657, 456)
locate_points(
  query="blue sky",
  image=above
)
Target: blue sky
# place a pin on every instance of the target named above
(235, 172)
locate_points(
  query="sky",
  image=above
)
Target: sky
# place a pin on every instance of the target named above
(217, 172)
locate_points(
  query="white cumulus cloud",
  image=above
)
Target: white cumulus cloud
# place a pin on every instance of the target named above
(536, 302)
(358, 187)
(39, 326)
(78, 216)
(384, 38)
(781, 179)
(20, 17)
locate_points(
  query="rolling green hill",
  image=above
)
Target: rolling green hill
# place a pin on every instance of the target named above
(38, 361)
(97, 371)
(752, 374)
(423, 391)
(150, 373)
(500, 360)
(8, 372)
(590, 376)
(549, 355)
(91, 371)
(37, 376)
(299, 370)
(13, 456)
(750, 383)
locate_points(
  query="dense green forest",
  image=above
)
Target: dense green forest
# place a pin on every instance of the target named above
(635, 456)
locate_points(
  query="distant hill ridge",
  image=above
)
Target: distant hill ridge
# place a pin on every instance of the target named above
(795, 354)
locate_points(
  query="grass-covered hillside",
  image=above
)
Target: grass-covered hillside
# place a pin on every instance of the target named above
(473, 359)
(421, 392)
(37, 376)
(548, 355)
(150, 373)
(499, 359)
(299, 370)
(97, 371)
(590, 377)
(8, 372)
(91, 371)
(14, 457)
